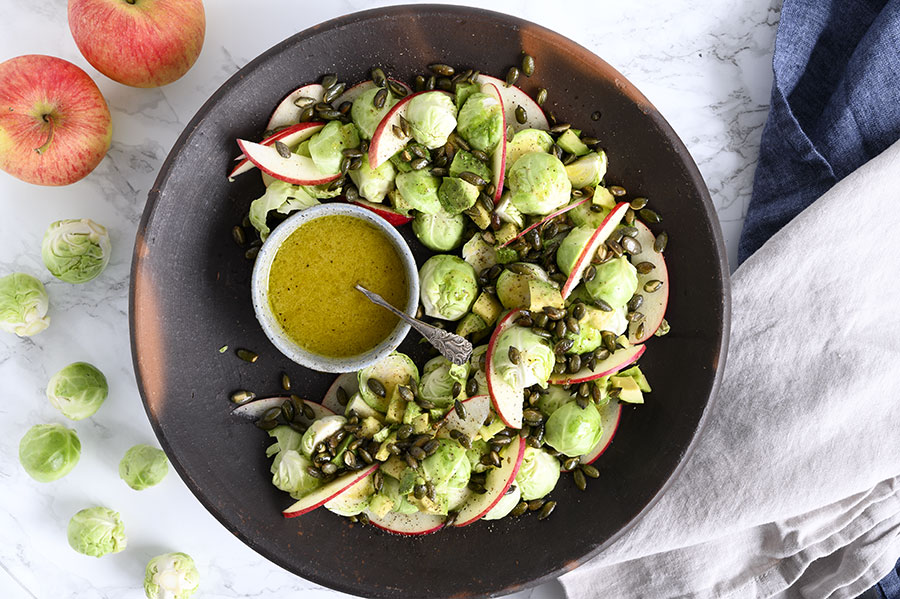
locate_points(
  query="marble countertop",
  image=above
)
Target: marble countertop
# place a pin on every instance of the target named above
(708, 70)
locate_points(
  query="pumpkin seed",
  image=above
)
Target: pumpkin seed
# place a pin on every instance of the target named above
(439, 172)
(638, 203)
(472, 179)
(590, 273)
(574, 364)
(532, 416)
(399, 91)
(246, 355)
(629, 217)
(560, 128)
(615, 247)
(520, 509)
(650, 216)
(378, 77)
(659, 246)
(411, 461)
(644, 267)
(332, 92)
(242, 396)
(404, 431)
(304, 101)
(572, 325)
(307, 113)
(329, 80)
(442, 69)
(419, 491)
(541, 96)
(329, 467)
(512, 75)
(635, 316)
(283, 150)
(617, 190)
(663, 328)
(571, 463)
(651, 286)
(351, 193)
(425, 404)
(471, 387)
(266, 425)
(378, 480)
(419, 83)
(578, 311)
(380, 98)
(430, 83)
(287, 411)
(376, 387)
(563, 345)
(345, 164)
(237, 233)
(635, 302)
(315, 472)
(460, 408)
(521, 115)
(418, 164)
(536, 504)
(513, 354)
(580, 481)
(639, 331)
(609, 340)
(397, 131)
(528, 65)
(631, 245)
(554, 313)
(450, 520)
(406, 393)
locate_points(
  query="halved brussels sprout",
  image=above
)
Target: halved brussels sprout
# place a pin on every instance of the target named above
(588, 170)
(76, 251)
(440, 232)
(535, 358)
(596, 321)
(466, 162)
(78, 390)
(457, 195)
(353, 501)
(395, 369)
(143, 466)
(572, 430)
(448, 287)
(96, 531)
(281, 197)
(326, 146)
(572, 247)
(448, 467)
(555, 398)
(432, 118)
(290, 473)
(538, 474)
(586, 215)
(373, 185)
(615, 282)
(419, 190)
(48, 452)
(171, 576)
(285, 438)
(481, 122)
(23, 305)
(366, 115)
(319, 431)
(539, 184)
(438, 377)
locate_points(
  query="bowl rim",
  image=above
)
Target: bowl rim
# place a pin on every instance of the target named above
(577, 52)
(259, 290)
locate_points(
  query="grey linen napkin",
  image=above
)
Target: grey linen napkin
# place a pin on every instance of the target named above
(793, 489)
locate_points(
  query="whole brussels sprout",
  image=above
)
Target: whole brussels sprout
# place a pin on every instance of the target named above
(440, 232)
(281, 197)
(536, 358)
(481, 122)
(326, 146)
(23, 305)
(538, 183)
(448, 287)
(75, 251)
(290, 474)
(448, 466)
(49, 451)
(78, 390)
(419, 190)
(373, 185)
(538, 474)
(438, 378)
(143, 466)
(615, 282)
(171, 576)
(572, 246)
(96, 531)
(432, 118)
(366, 115)
(573, 430)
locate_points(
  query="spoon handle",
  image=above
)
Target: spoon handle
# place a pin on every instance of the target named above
(453, 347)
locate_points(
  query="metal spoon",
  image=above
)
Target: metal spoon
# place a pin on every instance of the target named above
(453, 347)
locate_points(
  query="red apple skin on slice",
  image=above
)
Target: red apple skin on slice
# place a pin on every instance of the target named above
(610, 414)
(288, 113)
(385, 212)
(256, 408)
(601, 234)
(349, 381)
(290, 136)
(498, 159)
(357, 90)
(327, 492)
(611, 365)
(298, 170)
(654, 306)
(549, 217)
(477, 407)
(513, 97)
(507, 400)
(418, 523)
(496, 483)
(385, 143)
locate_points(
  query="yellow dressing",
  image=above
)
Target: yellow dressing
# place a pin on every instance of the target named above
(311, 285)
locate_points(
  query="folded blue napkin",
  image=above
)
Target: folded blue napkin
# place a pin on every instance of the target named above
(835, 106)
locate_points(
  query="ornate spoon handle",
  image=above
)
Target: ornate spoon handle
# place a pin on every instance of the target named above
(453, 347)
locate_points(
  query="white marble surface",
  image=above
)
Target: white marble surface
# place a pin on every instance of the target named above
(706, 68)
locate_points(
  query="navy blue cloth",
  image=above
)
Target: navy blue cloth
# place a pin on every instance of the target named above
(889, 587)
(835, 105)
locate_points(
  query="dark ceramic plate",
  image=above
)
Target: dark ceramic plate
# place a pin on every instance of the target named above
(190, 296)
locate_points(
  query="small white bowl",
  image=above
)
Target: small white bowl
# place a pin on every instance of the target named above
(259, 289)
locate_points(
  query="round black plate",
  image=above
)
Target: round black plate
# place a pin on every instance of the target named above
(190, 295)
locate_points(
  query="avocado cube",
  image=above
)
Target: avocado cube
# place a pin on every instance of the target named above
(542, 294)
(487, 307)
(470, 325)
(457, 195)
(638, 376)
(396, 407)
(394, 467)
(463, 91)
(464, 161)
(604, 198)
(383, 452)
(570, 142)
(420, 424)
(506, 233)
(380, 505)
(631, 393)
(479, 215)
(370, 426)
(487, 432)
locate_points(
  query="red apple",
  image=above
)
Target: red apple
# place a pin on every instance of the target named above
(611, 365)
(384, 211)
(496, 483)
(498, 158)
(654, 306)
(514, 97)
(142, 43)
(290, 136)
(547, 218)
(54, 123)
(507, 399)
(417, 523)
(601, 234)
(322, 495)
(296, 169)
(287, 112)
(350, 383)
(477, 407)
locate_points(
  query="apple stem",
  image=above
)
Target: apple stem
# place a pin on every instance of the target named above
(48, 118)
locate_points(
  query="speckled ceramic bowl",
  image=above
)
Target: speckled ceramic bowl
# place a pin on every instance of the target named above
(259, 290)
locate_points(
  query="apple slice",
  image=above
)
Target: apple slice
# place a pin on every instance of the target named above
(507, 399)
(611, 365)
(358, 89)
(328, 491)
(496, 483)
(513, 97)
(601, 234)
(350, 383)
(498, 159)
(417, 523)
(609, 420)
(256, 408)
(478, 407)
(654, 306)
(287, 112)
(289, 137)
(299, 170)
(385, 212)
(547, 218)
(385, 141)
